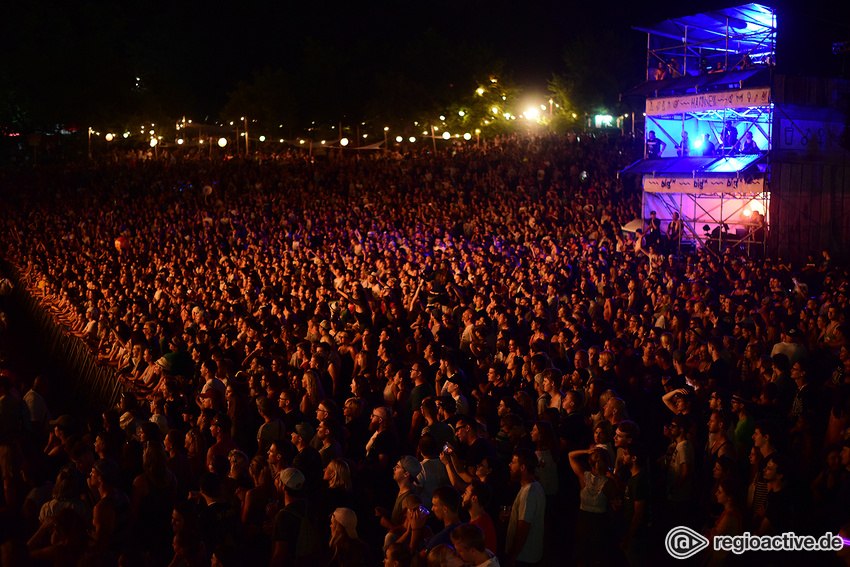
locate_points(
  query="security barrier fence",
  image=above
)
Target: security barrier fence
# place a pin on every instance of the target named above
(67, 355)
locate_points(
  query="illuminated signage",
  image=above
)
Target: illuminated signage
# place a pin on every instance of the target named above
(700, 185)
(708, 101)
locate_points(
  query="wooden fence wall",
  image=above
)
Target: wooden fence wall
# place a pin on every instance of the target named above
(810, 209)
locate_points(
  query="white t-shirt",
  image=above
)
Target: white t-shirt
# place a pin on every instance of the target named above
(39, 414)
(492, 561)
(214, 383)
(684, 453)
(529, 506)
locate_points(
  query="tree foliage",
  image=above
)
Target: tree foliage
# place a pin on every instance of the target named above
(599, 66)
(268, 99)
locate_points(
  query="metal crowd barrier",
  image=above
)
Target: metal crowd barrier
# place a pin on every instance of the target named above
(93, 385)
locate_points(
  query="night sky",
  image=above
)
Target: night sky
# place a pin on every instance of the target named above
(74, 61)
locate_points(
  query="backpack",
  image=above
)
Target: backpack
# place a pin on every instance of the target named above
(308, 539)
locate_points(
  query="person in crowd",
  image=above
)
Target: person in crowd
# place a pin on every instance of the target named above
(683, 148)
(470, 543)
(680, 470)
(405, 474)
(445, 506)
(347, 549)
(652, 232)
(654, 146)
(62, 541)
(596, 497)
(398, 555)
(434, 473)
(730, 522)
(763, 444)
(747, 144)
(326, 435)
(474, 447)
(779, 514)
(636, 505)
(708, 148)
(111, 514)
(220, 428)
(729, 136)
(476, 499)
(294, 535)
(546, 449)
(524, 538)
(307, 459)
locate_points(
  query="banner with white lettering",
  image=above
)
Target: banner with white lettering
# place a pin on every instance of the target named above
(743, 98)
(706, 185)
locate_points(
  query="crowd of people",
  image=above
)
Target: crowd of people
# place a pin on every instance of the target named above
(448, 359)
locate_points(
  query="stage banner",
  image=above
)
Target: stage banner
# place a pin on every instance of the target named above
(708, 101)
(703, 185)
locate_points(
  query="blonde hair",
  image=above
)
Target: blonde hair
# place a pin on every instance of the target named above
(195, 439)
(259, 470)
(604, 397)
(238, 463)
(314, 387)
(342, 474)
(439, 555)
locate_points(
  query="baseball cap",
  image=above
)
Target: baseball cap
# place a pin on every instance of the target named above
(739, 399)
(411, 465)
(63, 421)
(305, 430)
(348, 520)
(292, 478)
